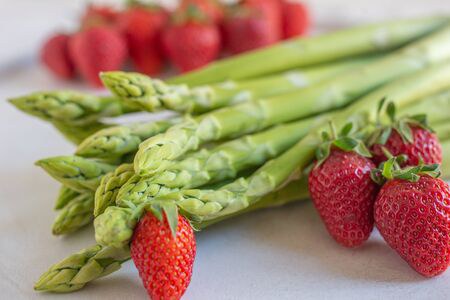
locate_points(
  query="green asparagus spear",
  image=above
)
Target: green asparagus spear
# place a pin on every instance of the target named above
(65, 196)
(76, 134)
(71, 108)
(115, 226)
(121, 140)
(217, 164)
(436, 112)
(92, 263)
(73, 272)
(445, 166)
(156, 153)
(97, 261)
(208, 204)
(303, 52)
(106, 193)
(404, 91)
(77, 173)
(76, 214)
(153, 94)
(442, 130)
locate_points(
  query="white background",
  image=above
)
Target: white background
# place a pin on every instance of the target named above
(283, 253)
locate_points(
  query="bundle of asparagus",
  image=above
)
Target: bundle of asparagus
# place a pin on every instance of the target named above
(265, 126)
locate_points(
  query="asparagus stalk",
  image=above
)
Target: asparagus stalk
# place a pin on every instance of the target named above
(78, 210)
(76, 214)
(404, 91)
(115, 226)
(445, 166)
(97, 261)
(120, 140)
(75, 271)
(152, 94)
(442, 130)
(209, 204)
(106, 193)
(226, 160)
(303, 52)
(436, 112)
(77, 173)
(76, 134)
(65, 196)
(156, 153)
(214, 165)
(71, 108)
(209, 166)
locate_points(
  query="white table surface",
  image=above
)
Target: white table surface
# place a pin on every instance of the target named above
(283, 253)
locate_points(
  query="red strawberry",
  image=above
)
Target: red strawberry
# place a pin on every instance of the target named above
(95, 50)
(211, 8)
(55, 55)
(271, 10)
(142, 28)
(425, 146)
(296, 19)
(98, 16)
(341, 187)
(164, 262)
(191, 41)
(414, 219)
(410, 136)
(247, 28)
(343, 194)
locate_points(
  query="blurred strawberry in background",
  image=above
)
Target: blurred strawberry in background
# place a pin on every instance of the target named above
(295, 19)
(213, 10)
(55, 56)
(252, 24)
(189, 36)
(192, 39)
(95, 50)
(98, 16)
(142, 27)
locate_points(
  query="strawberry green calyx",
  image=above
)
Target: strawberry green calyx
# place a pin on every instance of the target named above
(71, 108)
(252, 116)
(77, 173)
(65, 196)
(346, 140)
(106, 192)
(73, 272)
(401, 125)
(140, 90)
(75, 215)
(391, 169)
(120, 140)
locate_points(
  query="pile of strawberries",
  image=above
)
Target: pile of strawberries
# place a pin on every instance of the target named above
(194, 34)
(403, 198)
